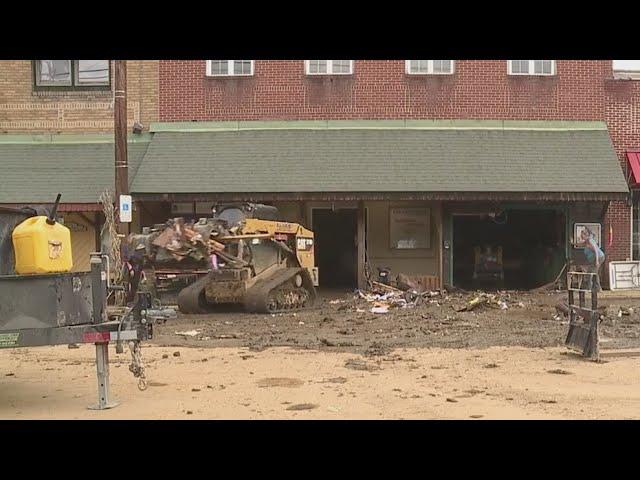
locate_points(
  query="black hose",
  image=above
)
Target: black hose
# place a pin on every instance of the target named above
(52, 216)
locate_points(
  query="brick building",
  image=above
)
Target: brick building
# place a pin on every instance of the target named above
(415, 165)
(56, 135)
(411, 165)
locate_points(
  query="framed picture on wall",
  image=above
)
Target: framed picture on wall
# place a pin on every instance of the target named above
(594, 228)
(410, 228)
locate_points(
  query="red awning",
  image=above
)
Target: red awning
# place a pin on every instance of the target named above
(634, 162)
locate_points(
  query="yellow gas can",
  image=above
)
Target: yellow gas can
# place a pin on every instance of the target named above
(42, 246)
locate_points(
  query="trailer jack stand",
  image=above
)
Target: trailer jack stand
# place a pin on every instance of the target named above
(102, 365)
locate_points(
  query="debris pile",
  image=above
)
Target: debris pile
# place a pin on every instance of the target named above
(178, 240)
(501, 300)
(385, 297)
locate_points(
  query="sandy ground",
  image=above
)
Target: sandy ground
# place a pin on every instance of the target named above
(286, 383)
(339, 361)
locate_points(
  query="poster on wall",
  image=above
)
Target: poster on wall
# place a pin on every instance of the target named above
(409, 228)
(594, 228)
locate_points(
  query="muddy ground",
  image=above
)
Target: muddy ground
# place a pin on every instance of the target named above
(342, 322)
(340, 361)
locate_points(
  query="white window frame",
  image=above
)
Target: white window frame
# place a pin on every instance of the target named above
(230, 70)
(407, 68)
(622, 74)
(532, 69)
(329, 69)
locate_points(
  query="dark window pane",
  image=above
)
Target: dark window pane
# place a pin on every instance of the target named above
(53, 72)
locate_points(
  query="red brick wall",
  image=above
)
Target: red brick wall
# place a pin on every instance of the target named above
(622, 104)
(380, 89)
(479, 89)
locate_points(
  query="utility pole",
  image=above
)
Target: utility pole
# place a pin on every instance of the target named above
(120, 131)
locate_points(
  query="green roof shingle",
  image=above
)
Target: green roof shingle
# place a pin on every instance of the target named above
(385, 160)
(36, 172)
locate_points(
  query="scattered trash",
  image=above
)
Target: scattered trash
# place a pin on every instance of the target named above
(356, 364)
(190, 333)
(559, 371)
(336, 301)
(280, 382)
(300, 323)
(380, 309)
(73, 345)
(562, 308)
(335, 380)
(302, 406)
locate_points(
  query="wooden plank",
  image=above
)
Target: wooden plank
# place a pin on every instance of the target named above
(244, 236)
(362, 282)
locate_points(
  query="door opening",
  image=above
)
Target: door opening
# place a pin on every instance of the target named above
(516, 249)
(336, 251)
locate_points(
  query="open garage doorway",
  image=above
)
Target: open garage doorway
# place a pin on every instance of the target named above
(335, 248)
(513, 249)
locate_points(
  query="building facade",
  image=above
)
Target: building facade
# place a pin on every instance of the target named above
(513, 140)
(412, 165)
(56, 136)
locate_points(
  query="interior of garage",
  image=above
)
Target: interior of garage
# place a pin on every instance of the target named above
(508, 249)
(335, 234)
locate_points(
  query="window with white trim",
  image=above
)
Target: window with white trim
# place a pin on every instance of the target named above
(229, 68)
(532, 67)
(429, 67)
(329, 67)
(626, 69)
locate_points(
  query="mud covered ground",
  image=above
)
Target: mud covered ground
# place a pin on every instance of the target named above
(342, 322)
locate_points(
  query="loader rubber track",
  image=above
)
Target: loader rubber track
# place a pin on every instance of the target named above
(192, 299)
(280, 294)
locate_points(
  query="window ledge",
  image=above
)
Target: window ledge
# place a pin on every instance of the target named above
(626, 75)
(72, 93)
(533, 75)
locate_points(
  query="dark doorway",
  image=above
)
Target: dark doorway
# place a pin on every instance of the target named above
(335, 246)
(514, 249)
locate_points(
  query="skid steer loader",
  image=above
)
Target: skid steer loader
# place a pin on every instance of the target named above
(242, 255)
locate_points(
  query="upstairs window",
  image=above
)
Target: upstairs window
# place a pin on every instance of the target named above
(72, 74)
(626, 69)
(429, 67)
(532, 67)
(329, 67)
(229, 68)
